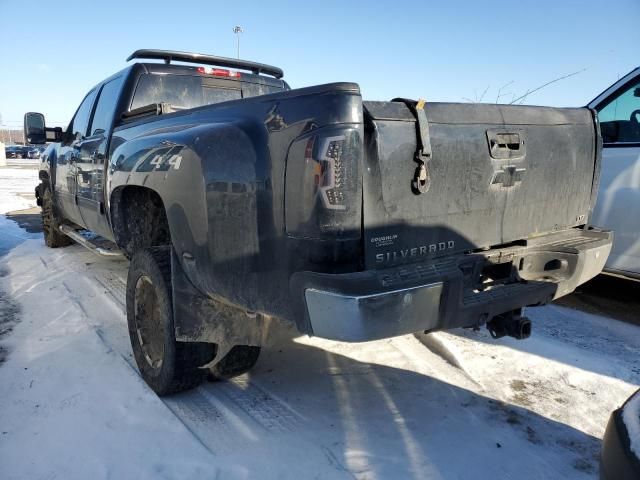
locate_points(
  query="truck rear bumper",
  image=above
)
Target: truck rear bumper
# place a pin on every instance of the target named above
(443, 293)
(378, 315)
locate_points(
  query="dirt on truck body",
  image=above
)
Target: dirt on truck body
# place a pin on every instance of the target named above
(240, 200)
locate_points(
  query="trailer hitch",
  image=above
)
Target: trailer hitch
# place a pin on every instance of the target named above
(421, 179)
(511, 323)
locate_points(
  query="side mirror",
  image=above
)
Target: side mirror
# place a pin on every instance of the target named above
(636, 92)
(34, 129)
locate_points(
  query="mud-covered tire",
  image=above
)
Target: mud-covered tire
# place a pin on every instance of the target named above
(53, 238)
(166, 365)
(239, 360)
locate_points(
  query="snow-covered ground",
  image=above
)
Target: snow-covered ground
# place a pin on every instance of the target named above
(455, 405)
(17, 182)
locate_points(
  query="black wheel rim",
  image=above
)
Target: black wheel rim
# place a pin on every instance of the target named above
(149, 327)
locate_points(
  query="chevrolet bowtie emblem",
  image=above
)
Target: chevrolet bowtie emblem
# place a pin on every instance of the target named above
(508, 176)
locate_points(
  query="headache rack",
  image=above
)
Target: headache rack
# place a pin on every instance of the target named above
(169, 55)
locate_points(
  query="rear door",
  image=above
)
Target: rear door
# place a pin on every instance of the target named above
(618, 205)
(498, 174)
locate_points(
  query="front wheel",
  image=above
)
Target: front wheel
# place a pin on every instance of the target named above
(53, 237)
(166, 365)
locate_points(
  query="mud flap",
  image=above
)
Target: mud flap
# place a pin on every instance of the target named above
(198, 318)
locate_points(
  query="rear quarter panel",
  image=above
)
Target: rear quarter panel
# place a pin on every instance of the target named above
(225, 200)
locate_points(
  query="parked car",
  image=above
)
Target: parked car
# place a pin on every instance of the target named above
(14, 151)
(618, 204)
(239, 200)
(19, 151)
(9, 151)
(35, 152)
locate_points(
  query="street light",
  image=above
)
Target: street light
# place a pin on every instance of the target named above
(238, 30)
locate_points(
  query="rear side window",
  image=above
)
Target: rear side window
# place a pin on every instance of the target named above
(106, 107)
(182, 91)
(80, 122)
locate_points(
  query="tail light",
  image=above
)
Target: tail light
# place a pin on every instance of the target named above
(323, 193)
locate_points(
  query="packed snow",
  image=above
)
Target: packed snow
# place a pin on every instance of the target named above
(455, 405)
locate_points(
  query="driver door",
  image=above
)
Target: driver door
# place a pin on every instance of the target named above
(67, 165)
(618, 204)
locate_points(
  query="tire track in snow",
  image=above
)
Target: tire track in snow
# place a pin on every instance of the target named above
(272, 414)
(203, 420)
(116, 288)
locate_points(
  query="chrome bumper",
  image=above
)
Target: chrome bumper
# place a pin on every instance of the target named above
(358, 318)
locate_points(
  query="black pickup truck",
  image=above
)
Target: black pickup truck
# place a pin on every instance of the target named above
(239, 201)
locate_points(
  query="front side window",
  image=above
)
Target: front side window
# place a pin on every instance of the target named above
(80, 123)
(620, 116)
(105, 110)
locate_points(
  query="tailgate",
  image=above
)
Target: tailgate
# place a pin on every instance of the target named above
(499, 174)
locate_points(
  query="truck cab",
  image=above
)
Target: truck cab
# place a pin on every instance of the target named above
(81, 166)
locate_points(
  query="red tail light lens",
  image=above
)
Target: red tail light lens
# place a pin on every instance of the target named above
(323, 185)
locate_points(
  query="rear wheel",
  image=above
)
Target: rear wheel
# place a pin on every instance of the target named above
(50, 222)
(166, 365)
(239, 360)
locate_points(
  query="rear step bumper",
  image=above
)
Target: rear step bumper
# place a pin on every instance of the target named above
(443, 294)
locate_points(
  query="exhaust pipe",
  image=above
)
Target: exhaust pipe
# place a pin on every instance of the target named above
(512, 324)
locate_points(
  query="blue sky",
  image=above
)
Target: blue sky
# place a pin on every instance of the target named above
(53, 52)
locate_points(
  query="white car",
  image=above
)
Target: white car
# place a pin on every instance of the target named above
(618, 204)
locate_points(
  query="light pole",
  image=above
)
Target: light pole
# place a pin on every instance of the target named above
(238, 30)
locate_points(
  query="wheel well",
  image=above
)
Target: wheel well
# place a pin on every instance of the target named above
(139, 219)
